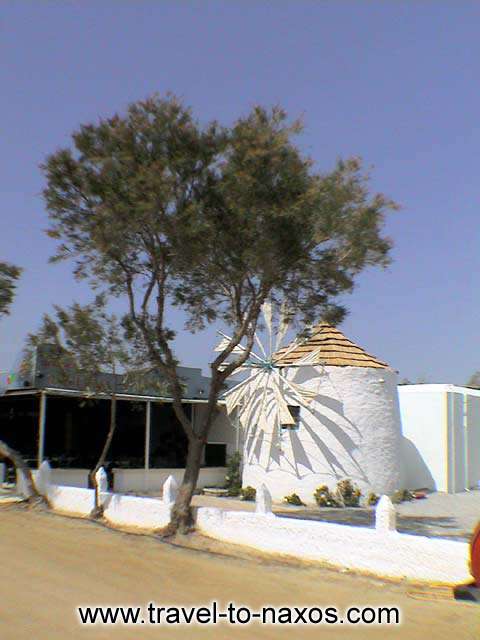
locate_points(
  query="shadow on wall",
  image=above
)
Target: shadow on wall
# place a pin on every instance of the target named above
(328, 416)
(414, 467)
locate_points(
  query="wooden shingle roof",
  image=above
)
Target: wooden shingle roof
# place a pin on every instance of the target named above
(328, 346)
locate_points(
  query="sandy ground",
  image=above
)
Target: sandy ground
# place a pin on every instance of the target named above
(51, 564)
(459, 510)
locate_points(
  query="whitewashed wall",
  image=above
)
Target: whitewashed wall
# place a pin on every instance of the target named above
(392, 554)
(119, 510)
(132, 511)
(352, 431)
(72, 500)
(441, 429)
(473, 440)
(424, 428)
(456, 442)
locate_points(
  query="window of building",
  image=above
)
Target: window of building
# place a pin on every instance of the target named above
(215, 454)
(295, 413)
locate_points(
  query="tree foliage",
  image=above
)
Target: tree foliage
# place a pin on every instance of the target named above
(213, 220)
(89, 352)
(9, 275)
(474, 380)
(87, 347)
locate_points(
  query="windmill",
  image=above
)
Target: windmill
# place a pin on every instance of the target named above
(261, 401)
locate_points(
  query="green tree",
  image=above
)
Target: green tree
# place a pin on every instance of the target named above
(474, 380)
(164, 212)
(90, 353)
(9, 275)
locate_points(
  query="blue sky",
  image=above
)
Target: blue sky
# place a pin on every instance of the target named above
(393, 82)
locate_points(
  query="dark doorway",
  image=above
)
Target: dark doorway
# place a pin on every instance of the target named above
(19, 425)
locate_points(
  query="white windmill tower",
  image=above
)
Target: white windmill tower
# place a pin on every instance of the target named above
(319, 410)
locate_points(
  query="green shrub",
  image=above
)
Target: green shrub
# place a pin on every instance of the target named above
(348, 493)
(401, 495)
(324, 498)
(248, 493)
(294, 499)
(372, 499)
(233, 479)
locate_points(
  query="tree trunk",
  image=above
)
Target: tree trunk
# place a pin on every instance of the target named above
(98, 509)
(182, 519)
(20, 465)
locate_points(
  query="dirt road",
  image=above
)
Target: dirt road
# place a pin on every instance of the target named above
(51, 564)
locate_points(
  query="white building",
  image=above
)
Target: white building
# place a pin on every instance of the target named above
(350, 430)
(441, 443)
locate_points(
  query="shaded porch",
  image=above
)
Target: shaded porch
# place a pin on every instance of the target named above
(69, 430)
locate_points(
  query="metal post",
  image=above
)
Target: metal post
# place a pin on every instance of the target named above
(148, 417)
(41, 427)
(466, 452)
(237, 428)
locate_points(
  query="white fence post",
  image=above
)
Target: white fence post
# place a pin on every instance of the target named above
(170, 490)
(263, 501)
(43, 478)
(385, 515)
(21, 487)
(102, 480)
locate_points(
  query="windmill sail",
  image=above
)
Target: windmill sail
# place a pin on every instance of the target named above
(262, 400)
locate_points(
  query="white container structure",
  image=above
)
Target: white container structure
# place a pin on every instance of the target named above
(350, 428)
(441, 429)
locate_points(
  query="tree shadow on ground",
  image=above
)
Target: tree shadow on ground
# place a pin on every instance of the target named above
(437, 527)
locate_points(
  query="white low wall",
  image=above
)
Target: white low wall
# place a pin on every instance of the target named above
(129, 511)
(381, 551)
(388, 554)
(73, 500)
(154, 479)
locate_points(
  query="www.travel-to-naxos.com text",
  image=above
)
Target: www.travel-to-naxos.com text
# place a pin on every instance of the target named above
(213, 613)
